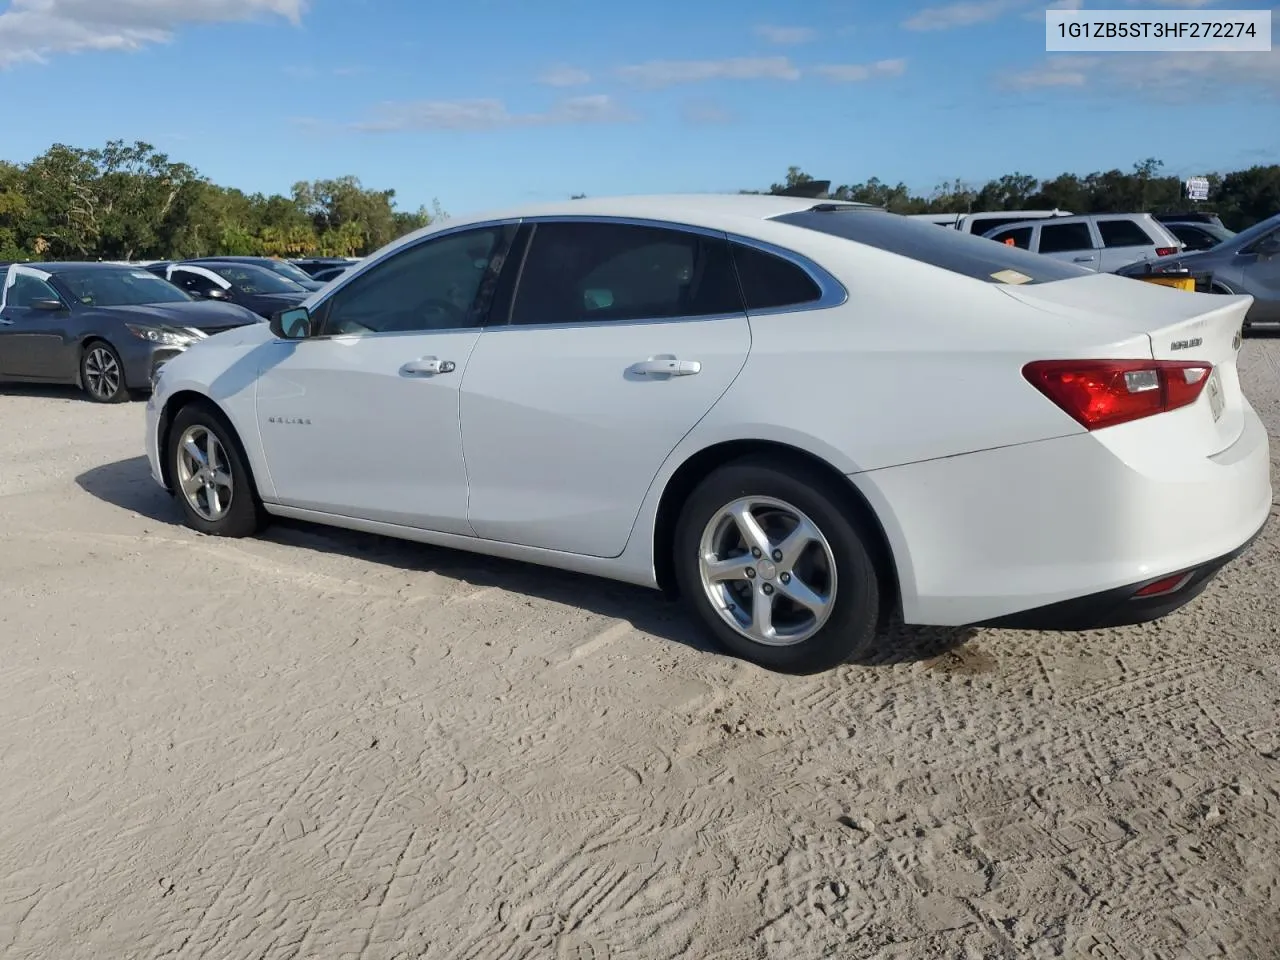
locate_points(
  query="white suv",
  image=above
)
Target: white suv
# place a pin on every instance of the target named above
(1103, 242)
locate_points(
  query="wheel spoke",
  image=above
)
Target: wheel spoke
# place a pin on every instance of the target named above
(222, 479)
(752, 533)
(734, 568)
(215, 501)
(192, 450)
(191, 485)
(800, 592)
(761, 627)
(794, 543)
(210, 451)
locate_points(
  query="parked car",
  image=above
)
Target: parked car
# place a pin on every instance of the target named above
(316, 265)
(1193, 216)
(246, 284)
(104, 327)
(986, 221)
(1103, 242)
(799, 415)
(329, 273)
(1198, 236)
(283, 267)
(1247, 263)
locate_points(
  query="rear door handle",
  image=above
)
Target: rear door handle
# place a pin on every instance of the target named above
(427, 367)
(666, 366)
(1083, 259)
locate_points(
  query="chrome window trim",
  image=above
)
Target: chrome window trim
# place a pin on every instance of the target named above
(832, 292)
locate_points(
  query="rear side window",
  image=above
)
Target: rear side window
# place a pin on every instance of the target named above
(953, 250)
(1123, 233)
(1065, 237)
(1019, 237)
(769, 281)
(982, 225)
(589, 272)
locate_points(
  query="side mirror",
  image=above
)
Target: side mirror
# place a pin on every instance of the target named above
(217, 293)
(47, 304)
(291, 324)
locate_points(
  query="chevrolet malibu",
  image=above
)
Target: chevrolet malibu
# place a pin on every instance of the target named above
(799, 415)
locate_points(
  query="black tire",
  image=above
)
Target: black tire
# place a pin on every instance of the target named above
(243, 516)
(102, 373)
(850, 628)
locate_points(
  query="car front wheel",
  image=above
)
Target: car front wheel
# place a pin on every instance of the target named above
(210, 477)
(776, 566)
(102, 373)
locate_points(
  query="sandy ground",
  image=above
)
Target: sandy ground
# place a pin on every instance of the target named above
(319, 744)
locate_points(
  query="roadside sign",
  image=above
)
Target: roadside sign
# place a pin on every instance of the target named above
(1197, 188)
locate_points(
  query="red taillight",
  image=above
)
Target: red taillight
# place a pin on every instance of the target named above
(1103, 393)
(1166, 251)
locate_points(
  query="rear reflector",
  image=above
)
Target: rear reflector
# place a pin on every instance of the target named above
(1167, 585)
(1103, 393)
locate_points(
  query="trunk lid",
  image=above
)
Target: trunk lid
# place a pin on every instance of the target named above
(1180, 326)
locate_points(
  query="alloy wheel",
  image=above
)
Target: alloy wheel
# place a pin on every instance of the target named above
(204, 473)
(768, 570)
(101, 373)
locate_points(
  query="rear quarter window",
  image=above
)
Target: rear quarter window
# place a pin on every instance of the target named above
(952, 250)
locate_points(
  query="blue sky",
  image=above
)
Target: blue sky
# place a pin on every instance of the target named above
(491, 102)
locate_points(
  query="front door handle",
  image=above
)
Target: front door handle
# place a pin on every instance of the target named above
(427, 367)
(666, 367)
(1083, 259)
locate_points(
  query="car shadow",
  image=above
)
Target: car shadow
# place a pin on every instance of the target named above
(127, 484)
(40, 390)
(55, 392)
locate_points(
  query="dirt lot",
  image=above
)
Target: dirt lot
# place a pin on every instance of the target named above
(319, 744)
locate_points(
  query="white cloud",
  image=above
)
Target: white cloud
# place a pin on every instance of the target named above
(563, 75)
(963, 14)
(487, 114)
(665, 73)
(705, 113)
(852, 72)
(1188, 77)
(31, 30)
(785, 36)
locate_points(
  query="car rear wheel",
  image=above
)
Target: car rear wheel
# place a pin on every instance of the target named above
(777, 568)
(210, 477)
(102, 373)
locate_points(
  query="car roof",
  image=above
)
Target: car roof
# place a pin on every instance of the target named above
(57, 266)
(713, 211)
(710, 210)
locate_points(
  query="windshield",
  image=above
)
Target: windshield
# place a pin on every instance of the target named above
(105, 287)
(250, 278)
(286, 269)
(963, 253)
(1246, 237)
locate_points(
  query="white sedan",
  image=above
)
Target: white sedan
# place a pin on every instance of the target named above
(800, 415)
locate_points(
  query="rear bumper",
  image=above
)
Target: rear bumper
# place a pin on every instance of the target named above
(1123, 606)
(1068, 530)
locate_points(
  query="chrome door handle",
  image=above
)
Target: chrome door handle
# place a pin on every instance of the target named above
(427, 367)
(668, 367)
(1083, 259)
